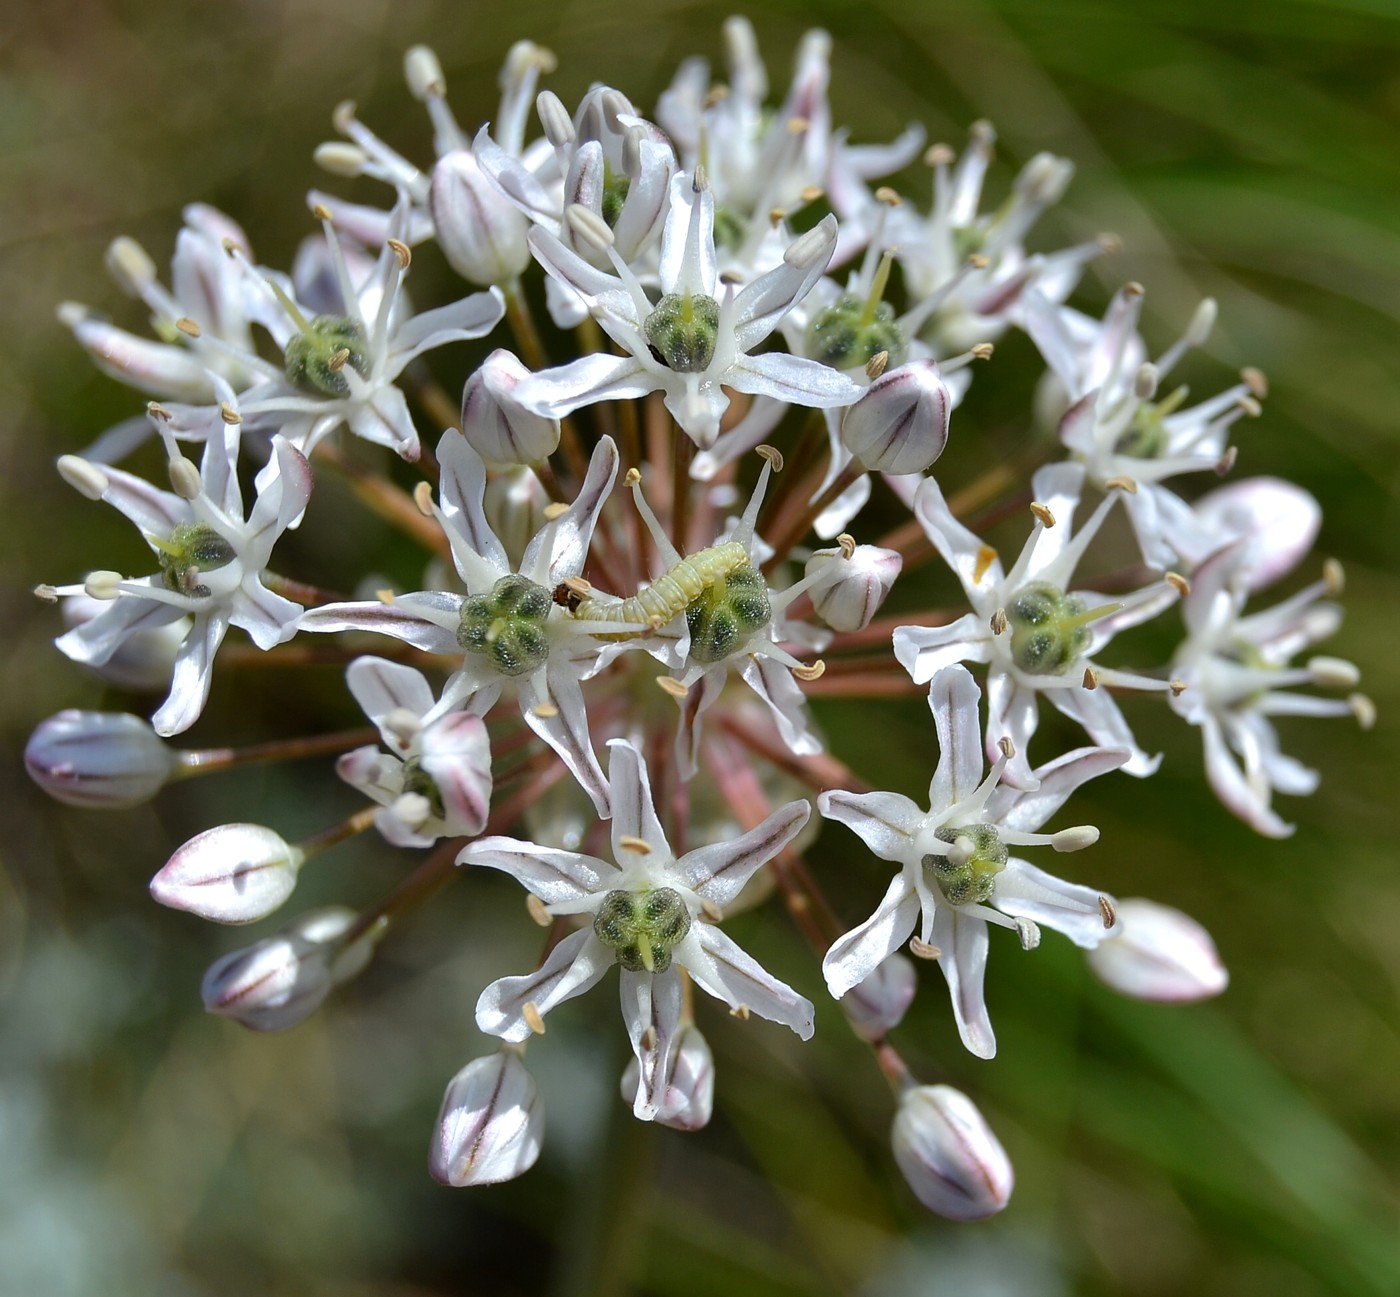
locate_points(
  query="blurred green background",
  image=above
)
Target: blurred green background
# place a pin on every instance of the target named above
(1245, 1147)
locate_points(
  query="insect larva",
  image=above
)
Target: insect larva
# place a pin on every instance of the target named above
(671, 593)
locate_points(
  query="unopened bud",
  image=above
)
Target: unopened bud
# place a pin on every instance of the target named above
(495, 424)
(1278, 520)
(280, 981)
(948, 1154)
(900, 425)
(491, 1124)
(877, 1005)
(685, 1096)
(481, 234)
(1159, 954)
(103, 759)
(851, 590)
(235, 873)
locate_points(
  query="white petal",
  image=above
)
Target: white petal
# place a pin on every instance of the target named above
(856, 955)
(794, 379)
(194, 672)
(962, 939)
(560, 391)
(722, 969)
(1026, 811)
(575, 964)
(885, 822)
(557, 877)
(718, 872)
(560, 549)
(923, 651)
(381, 687)
(633, 811)
(564, 726)
(404, 619)
(1023, 891)
(651, 1008)
(953, 698)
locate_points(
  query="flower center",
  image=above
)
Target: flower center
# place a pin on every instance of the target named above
(1049, 629)
(316, 357)
(417, 780)
(849, 332)
(508, 625)
(726, 613)
(682, 330)
(643, 927)
(970, 880)
(192, 548)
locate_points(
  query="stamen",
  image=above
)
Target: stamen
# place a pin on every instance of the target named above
(1108, 911)
(1042, 514)
(638, 845)
(670, 685)
(537, 911)
(530, 1011)
(922, 950)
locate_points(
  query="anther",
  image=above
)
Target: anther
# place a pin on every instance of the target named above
(986, 556)
(740, 1011)
(939, 155)
(1250, 407)
(1333, 673)
(184, 478)
(423, 498)
(188, 327)
(577, 585)
(555, 509)
(1256, 380)
(588, 228)
(157, 411)
(1075, 839)
(798, 125)
(640, 846)
(875, 366)
(320, 211)
(670, 685)
(1121, 483)
(1000, 622)
(711, 911)
(1178, 583)
(981, 351)
(102, 585)
(1177, 686)
(699, 181)
(888, 196)
(546, 711)
(1042, 513)
(1109, 243)
(648, 1040)
(776, 216)
(847, 543)
(49, 594)
(922, 950)
(340, 159)
(537, 910)
(1107, 911)
(530, 1011)
(1006, 747)
(83, 476)
(1133, 290)
(1334, 577)
(337, 361)
(811, 193)
(343, 116)
(814, 671)
(1091, 678)
(401, 251)
(632, 477)
(229, 415)
(385, 596)
(978, 260)
(1227, 461)
(1361, 706)
(771, 454)
(1145, 382)
(1028, 932)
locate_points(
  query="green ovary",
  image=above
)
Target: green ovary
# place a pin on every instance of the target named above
(315, 357)
(508, 625)
(682, 331)
(726, 614)
(848, 333)
(973, 881)
(1049, 630)
(643, 927)
(192, 548)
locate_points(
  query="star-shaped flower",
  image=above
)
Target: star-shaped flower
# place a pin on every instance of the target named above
(508, 630)
(957, 874)
(651, 913)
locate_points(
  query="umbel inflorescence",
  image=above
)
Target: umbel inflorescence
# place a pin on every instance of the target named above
(626, 592)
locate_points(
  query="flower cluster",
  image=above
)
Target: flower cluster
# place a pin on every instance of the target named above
(628, 598)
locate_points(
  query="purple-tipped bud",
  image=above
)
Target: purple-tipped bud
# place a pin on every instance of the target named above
(1278, 520)
(852, 589)
(900, 425)
(495, 424)
(877, 1005)
(279, 981)
(491, 1124)
(1160, 954)
(235, 873)
(688, 1097)
(480, 233)
(102, 759)
(948, 1154)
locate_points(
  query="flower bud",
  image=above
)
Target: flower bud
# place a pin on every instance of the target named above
(495, 424)
(144, 660)
(948, 1154)
(491, 1124)
(1159, 954)
(480, 233)
(102, 759)
(852, 589)
(277, 982)
(877, 1005)
(900, 425)
(235, 873)
(688, 1098)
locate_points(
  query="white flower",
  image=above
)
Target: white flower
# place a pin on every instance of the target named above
(956, 874)
(507, 629)
(212, 561)
(1035, 636)
(650, 912)
(491, 1124)
(1236, 676)
(1117, 429)
(437, 783)
(690, 344)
